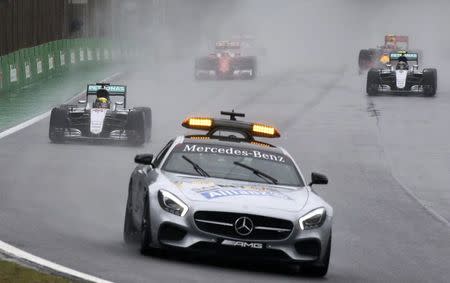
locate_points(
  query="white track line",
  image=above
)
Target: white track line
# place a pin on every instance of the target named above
(42, 116)
(40, 262)
(19, 254)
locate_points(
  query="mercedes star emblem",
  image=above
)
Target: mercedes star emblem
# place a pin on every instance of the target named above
(243, 226)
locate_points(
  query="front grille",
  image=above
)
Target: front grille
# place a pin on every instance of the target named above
(255, 254)
(223, 224)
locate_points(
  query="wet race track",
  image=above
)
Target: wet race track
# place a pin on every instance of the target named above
(387, 158)
(381, 233)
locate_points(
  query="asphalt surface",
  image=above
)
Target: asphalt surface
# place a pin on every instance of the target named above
(66, 202)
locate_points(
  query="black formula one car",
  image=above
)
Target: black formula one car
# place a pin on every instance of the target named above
(399, 77)
(102, 116)
(226, 63)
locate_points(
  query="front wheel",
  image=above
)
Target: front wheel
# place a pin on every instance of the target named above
(319, 269)
(430, 82)
(372, 82)
(129, 230)
(58, 123)
(145, 229)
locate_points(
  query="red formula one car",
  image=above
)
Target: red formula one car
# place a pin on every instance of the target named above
(378, 57)
(226, 62)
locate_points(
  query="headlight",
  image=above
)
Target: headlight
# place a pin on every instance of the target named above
(313, 219)
(171, 203)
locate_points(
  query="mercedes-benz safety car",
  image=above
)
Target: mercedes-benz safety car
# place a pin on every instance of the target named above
(402, 76)
(101, 116)
(377, 57)
(228, 194)
(226, 63)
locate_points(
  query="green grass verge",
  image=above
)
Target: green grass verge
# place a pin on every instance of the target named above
(11, 272)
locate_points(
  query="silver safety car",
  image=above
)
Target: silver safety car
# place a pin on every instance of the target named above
(224, 192)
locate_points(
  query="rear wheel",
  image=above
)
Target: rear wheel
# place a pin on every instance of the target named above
(148, 121)
(372, 82)
(429, 82)
(248, 63)
(136, 127)
(58, 123)
(319, 269)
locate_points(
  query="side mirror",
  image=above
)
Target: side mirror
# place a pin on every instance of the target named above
(144, 159)
(81, 101)
(318, 179)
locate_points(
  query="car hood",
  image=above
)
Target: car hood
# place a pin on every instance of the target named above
(225, 193)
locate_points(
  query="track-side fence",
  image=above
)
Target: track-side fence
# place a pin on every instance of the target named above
(28, 65)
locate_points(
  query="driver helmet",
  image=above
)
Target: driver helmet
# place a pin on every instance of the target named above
(402, 65)
(101, 102)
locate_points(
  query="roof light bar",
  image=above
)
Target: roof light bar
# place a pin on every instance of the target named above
(200, 123)
(265, 131)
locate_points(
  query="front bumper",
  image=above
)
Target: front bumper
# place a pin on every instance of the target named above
(415, 89)
(172, 231)
(73, 134)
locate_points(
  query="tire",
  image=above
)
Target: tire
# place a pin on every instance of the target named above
(365, 56)
(372, 82)
(254, 67)
(148, 121)
(248, 63)
(321, 269)
(129, 229)
(146, 237)
(136, 127)
(58, 123)
(430, 82)
(204, 63)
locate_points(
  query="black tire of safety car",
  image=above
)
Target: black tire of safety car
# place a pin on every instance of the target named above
(430, 82)
(58, 123)
(148, 121)
(372, 82)
(321, 269)
(146, 236)
(136, 127)
(129, 229)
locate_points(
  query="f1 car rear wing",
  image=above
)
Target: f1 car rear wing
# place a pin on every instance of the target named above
(247, 129)
(409, 56)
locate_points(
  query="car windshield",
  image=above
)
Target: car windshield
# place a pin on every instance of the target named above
(231, 162)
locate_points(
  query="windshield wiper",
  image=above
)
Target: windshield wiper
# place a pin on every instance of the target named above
(197, 168)
(258, 173)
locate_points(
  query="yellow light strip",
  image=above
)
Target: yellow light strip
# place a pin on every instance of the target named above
(202, 122)
(263, 129)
